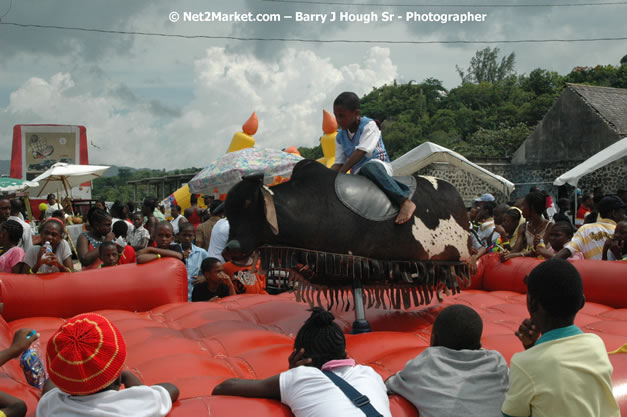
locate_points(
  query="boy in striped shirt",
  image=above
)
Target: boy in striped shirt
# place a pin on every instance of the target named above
(590, 238)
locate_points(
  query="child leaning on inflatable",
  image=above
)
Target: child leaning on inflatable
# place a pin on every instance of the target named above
(85, 360)
(563, 371)
(454, 376)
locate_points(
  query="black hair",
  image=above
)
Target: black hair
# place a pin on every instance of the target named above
(193, 199)
(58, 214)
(131, 206)
(563, 202)
(119, 228)
(17, 206)
(4, 197)
(117, 209)
(489, 207)
(593, 216)
(208, 264)
(458, 327)
(14, 230)
(50, 195)
(214, 205)
(96, 215)
(137, 213)
(177, 207)
(556, 285)
(104, 245)
(536, 201)
(347, 100)
(564, 227)
(186, 225)
(164, 223)
(55, 221)
(150, 202)
(514, 215)
(321, 337)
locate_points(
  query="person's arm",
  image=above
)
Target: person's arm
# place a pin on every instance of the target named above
(150, 254)
(85, 256)
(606, 247)
(171, 389)
(129, 379)
(516, 251)
(20, 343)
(251, 388)
(357, 156)
(474, 258)
(142, 244)
(12, 406)
(68, 265)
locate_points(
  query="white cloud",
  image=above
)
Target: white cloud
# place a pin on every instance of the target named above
(288, 96)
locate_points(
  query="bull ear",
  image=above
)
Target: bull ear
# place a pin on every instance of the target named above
(270, 210)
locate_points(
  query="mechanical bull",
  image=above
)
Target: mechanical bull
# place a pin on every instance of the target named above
(335, 233)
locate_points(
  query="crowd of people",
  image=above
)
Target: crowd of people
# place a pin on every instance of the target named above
(119, 234)
(534, 227)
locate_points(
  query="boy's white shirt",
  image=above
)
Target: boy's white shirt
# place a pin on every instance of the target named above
(367, 142)
(139, 401)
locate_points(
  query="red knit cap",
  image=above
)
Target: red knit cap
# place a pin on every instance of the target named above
(85, 355)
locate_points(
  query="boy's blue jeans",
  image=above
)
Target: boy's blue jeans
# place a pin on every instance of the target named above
(396, 191)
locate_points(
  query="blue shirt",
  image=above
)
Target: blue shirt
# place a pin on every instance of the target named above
(192, 263)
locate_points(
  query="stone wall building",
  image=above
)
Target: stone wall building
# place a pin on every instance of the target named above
(583, 121)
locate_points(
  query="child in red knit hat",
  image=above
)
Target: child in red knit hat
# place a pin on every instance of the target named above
(85, 358)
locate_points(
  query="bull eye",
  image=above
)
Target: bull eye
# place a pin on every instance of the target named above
(247, 203)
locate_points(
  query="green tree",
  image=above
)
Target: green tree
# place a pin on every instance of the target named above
(485, 66)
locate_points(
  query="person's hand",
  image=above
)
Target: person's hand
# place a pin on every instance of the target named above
(537, 239)
(21, 341)
(506, 256)
(527, 333)
(199, 279)
(186, 253)
(473, 265)
(616, 246)
(297, 358)
(110, 236)
(41, 259)
(50, 259)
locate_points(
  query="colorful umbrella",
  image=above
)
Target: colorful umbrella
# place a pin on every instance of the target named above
(12, 185)
(222, 174)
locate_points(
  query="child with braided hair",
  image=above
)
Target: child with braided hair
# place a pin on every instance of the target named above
(319, 346)
(10, 236)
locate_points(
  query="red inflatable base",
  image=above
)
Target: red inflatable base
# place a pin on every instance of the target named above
(197, 345)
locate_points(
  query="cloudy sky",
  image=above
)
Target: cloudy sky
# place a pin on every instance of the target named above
(173, 102)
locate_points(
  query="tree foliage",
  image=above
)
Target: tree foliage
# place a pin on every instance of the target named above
(486, 67)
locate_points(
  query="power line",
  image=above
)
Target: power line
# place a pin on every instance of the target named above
(303, 40)
(483, 6)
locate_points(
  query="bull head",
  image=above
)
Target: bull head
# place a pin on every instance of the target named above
(243, 210)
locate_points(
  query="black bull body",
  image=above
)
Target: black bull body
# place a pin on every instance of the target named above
(303, 228)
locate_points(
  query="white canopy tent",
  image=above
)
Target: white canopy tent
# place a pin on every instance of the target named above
(428, 153)
(600, 159)
(608, 155)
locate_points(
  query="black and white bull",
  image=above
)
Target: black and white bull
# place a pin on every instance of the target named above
(303, 219)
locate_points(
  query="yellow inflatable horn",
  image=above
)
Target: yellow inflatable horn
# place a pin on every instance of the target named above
(327, 141)
(244, 139)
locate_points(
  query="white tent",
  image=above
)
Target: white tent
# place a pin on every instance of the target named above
(428, 153)
(608, 155)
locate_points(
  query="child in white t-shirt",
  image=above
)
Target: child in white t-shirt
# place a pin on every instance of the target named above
(319, 346)
(86, 382)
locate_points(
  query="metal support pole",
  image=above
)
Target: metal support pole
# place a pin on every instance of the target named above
(360, 325)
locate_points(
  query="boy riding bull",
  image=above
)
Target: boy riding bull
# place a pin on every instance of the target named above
(359, 148)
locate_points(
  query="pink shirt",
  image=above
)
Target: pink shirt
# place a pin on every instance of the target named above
(10, 258)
